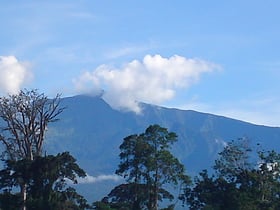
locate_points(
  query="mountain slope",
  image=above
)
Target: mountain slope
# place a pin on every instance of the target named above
(92, 131)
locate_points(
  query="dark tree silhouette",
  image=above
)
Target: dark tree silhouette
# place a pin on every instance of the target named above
(46, 180)
(238, 182)
(148, 167)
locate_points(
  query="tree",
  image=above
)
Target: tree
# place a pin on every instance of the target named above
(238, 182)
(26, 116)
(101, 205)
(148, 166)
(268, 178)
(123, 197)
(234, 159)
(46, 179)
(210, 192)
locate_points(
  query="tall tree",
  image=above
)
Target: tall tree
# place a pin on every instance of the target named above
(148, 165)
(26, 116)
(46, 182)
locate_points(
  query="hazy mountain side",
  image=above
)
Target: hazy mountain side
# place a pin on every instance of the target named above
(202, 135)
(92, 130)
(87, 128)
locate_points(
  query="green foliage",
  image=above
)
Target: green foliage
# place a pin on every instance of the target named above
(124, 196)
(148, 166)
(237, 183)
(45, 178)
(24, 119)
(9, 201)
(212, 193)
(100, 205)
(234, 159)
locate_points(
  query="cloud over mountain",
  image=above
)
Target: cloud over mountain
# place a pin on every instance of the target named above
(13, 74)
(92, 179)
(155, 79)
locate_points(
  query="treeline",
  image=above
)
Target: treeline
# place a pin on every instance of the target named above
(241, 178)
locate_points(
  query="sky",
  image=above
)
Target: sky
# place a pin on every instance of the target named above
(220, 57)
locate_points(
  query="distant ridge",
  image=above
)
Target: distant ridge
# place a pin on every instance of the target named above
(92, 131)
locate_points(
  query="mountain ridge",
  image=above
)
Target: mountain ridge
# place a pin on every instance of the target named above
(91, 120)
(92, 131)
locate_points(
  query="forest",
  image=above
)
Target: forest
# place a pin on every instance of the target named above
(243, 176)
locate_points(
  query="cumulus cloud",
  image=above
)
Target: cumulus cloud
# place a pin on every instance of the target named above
(155, 79)
(13, 74)
(91, 179)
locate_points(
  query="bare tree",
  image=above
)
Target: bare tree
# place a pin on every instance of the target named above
(25, 117)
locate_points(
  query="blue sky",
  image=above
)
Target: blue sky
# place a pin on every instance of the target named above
(220, 57)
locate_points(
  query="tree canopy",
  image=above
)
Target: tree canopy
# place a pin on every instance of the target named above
(238, 182)
(148, 166)
(26, 116)
(46, 179)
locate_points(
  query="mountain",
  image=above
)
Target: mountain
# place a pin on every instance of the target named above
(92, 131)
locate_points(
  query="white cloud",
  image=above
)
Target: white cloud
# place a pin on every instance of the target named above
(13, 74)
(155, 79)
(91, 179)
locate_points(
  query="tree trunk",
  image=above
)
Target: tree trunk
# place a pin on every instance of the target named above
(23, 186)
(156, 198)
(153, 198)
(23, 194)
